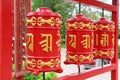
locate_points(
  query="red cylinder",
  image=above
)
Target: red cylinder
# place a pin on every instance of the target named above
(79, 42)
(104, 39)
(43, 41)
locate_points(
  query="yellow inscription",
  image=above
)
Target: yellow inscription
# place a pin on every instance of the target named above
(86, 41)
(96, 39)
(58, 43)
(47, 43)
(30, 41)
(104, 40)
(72, 42)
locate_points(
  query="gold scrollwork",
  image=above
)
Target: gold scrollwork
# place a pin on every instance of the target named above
(83, 25)
(74, 25)
(31, 21)
(95, 53)
(58, 22)
(57, 62)
(41, 21)
(32, 63)
(69, 57)
(82, 58)
(107, 53)
(41, 64)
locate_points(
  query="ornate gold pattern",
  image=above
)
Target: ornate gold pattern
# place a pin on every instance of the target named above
(32, 63)
(83, 58)
(74, 25)
(47, 43)
(57, 62)
(30, 41)
(80, 25)
(101, 27)
(40, 64)
(69, 57)
(58, 22)
(103, 53)
(41, 21)
(83, 25)
(31, 21)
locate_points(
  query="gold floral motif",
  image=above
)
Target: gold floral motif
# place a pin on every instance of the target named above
(58, 22)
(82, 58)
(69, 57)
(41, 64)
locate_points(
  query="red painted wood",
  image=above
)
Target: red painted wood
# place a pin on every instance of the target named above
(89, 73)
(97, 4)
(5, 39)
(114, 73)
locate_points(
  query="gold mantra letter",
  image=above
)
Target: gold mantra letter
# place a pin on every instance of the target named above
(104, 40)
(30, 41)
(72, 41)
(86, 41)
(47, 43)
(96, 39)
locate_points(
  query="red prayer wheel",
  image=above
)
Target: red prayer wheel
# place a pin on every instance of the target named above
(104, 39)
(43, 41)
(79, 42)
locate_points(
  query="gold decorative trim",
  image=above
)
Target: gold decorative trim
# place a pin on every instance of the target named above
(101, 27)
(80, 25)
(103, 53)
(40, 64)
(58, 22)
(40, 21)
(31, 21)
(81, 58)
(69, 57)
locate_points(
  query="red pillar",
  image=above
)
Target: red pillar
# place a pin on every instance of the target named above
(114, 73)
(5, 40)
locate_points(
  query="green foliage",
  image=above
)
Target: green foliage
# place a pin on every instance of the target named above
(119, 34)
(49, 76)
(119, 51)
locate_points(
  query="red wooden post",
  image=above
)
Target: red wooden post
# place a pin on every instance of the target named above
(17, 45)
(114, 73)
(5, 39)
